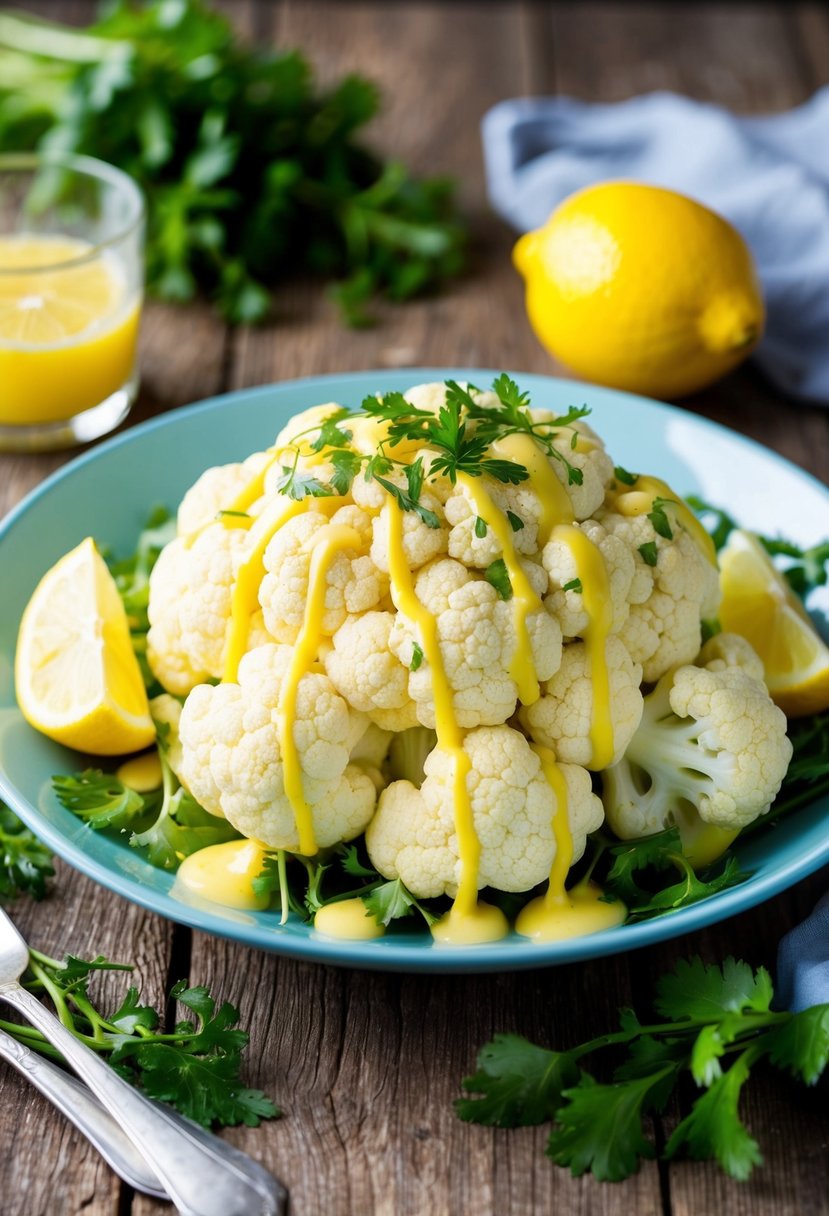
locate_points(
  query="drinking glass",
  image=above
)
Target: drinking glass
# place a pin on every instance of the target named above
(71, 281)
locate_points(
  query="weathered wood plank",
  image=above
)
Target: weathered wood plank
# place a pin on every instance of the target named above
(46, 1164)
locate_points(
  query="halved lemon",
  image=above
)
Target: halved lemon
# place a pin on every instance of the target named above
(78, 680)
(760, 605)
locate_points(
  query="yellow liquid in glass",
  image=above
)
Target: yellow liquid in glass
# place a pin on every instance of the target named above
(67, 333)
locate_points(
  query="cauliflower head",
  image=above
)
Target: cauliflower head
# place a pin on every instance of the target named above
(232, 763)
(412, 836)
(711, 742)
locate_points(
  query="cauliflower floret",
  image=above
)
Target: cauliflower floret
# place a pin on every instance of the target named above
(421, 543)
(711, 745)
(477, 638)
(369, 754)
(461, 513)
(413, 834)
(305, 426)
(562, 716)
(353, 582)
(215, 491)
(232, 762)
(560, 563)
(726, 650)
(189, 609)
(363, 669)
(669, 599)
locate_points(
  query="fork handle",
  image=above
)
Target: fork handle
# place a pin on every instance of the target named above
(200, 1178)
(82, 1108)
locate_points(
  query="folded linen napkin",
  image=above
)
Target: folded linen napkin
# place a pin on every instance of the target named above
(768, 175)
(803, 962)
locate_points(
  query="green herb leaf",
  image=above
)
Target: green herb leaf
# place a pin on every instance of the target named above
(573, 585)
(391, 901)
(298, 485)
(417, 656)
(801, 1044)
(515, 521)
(626, 478)
(103, 801)
(480, 527)
(25, 863)
(347, 465)
(659, 518)
(497, 574)
(517, 1083)
(714, 1128)
(649, 552)
(600, 1127)
(699, 990)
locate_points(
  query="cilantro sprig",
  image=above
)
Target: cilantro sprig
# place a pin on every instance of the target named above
(714, 1024)
(195, 1065)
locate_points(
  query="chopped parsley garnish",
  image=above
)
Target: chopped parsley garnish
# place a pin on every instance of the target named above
(497, 574)
(417, 656)
(573, 585)
(649, 552)
(659, 518)
(626, 478)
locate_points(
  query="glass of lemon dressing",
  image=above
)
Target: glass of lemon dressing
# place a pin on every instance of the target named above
(71, 279)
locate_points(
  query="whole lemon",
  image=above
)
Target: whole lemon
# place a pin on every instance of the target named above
(642, 289)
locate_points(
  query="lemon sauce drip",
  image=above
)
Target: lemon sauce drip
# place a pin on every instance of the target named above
(638, 499)
(595, 595)
(245, 595)
(224, 874)
(524, 598)
(325, 547)
(467, 921)
(559, 913)
(554, 500)
(349, 919)
(142, 774)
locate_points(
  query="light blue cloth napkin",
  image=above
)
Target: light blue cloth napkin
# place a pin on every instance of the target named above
(803, 962)
(769, 176)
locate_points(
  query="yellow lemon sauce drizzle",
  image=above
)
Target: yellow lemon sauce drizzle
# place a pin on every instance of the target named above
(524, 598)
(639, 498)
(224, 874)
(325, 547)
(467, 921)
(245, 595)
(595, 595)
(350, 919)
(142, 773)
(554, 500)
(559, 913)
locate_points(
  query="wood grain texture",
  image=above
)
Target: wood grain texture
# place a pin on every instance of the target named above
(366, 1065)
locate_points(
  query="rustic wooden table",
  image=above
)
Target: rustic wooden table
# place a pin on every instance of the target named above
(366, 1065)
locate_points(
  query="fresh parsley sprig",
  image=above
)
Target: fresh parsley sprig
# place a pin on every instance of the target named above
(195, 1066)
(715, 1023)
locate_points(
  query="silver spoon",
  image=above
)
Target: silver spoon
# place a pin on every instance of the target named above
(201, 1174)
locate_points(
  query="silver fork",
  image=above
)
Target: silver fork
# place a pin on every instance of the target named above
(201, 1174)
(83, 1109)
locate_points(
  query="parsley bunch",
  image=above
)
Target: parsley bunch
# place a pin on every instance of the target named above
(252, 172)
(715, 1023)
(194, 1067)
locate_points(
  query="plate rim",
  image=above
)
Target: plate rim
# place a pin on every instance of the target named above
(393, 953)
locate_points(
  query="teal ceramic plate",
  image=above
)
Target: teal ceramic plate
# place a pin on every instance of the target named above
(107, 492)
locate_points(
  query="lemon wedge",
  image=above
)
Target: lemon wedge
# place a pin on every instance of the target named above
(759, 604)
(78, 680)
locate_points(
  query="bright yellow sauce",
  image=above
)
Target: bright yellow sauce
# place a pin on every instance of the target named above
(245, 595)
(559, 913)
(638, 500)
(595, 595)
(348, 919)
(325, 546)
(224, 874)
(703, 842)
(142, 774)
(524, 598)
(466, 915)
(555, 502)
